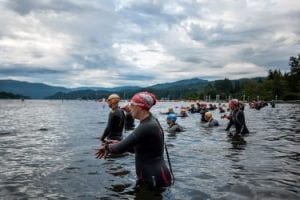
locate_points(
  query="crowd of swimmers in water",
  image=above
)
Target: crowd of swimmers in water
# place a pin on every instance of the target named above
(146, 140)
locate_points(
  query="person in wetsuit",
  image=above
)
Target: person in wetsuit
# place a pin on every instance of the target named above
(170, 110)
(238, 118)
(116, 118)
(173, 126)
(202, 112)
(272, 103)
(211, 121)
(193, 109)
(129, 120)
(182, 113)
(146, 141)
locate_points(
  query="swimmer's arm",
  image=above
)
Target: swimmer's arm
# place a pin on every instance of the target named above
(125, 145)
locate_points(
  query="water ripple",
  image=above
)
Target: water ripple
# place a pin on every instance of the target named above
(47, 152)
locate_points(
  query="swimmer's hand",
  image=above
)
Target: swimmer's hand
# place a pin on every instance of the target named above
(102, 151)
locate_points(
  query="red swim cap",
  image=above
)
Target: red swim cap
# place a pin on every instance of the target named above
(145, 100)
(234, 102)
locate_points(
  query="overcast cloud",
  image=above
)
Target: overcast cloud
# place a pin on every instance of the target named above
(134, 42)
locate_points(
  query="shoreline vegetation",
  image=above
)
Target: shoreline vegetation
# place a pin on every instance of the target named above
(277, 86)
(8, 95)
(178, 100)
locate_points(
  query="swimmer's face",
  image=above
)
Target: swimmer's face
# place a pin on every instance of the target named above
(134, 109)
(112, 102)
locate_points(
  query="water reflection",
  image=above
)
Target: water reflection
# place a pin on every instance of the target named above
(142, 192)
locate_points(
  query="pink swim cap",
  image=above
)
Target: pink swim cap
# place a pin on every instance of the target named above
(234, 102)
(145, 100)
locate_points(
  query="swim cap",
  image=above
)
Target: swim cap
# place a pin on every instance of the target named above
(234, 102)
(114, 98)
(208, 115)
(172, 117)
(145, 100)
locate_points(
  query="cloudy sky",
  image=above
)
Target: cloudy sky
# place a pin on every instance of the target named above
(135, 42)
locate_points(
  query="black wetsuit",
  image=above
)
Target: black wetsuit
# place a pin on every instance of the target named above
(147, 142)
(115, 125)
(129, 121)
(239, 122)
(193, 109)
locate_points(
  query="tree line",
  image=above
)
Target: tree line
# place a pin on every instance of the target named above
(7, 95)
(277, 85)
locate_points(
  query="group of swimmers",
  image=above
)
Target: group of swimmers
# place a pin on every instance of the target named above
(236, 117)
(147, 139)
(260, 104)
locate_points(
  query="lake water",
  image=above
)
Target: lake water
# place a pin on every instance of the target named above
(47, 152)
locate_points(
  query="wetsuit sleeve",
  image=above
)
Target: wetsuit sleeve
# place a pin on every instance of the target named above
(108, 127)
(127, 144)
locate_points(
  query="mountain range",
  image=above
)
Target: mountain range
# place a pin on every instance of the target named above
(43, 91)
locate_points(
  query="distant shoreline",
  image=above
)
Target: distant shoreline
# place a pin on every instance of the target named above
(276, 102)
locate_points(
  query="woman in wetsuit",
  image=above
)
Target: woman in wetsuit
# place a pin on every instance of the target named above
(116, 118)
(146, 141)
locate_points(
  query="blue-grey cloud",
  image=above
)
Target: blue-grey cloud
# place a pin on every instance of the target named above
(94, 61)
(27, 71)
(24, 7)
(114, 43)
(136, 77)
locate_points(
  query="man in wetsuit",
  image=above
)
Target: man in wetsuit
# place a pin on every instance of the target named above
(146, 141)
(116, 118)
